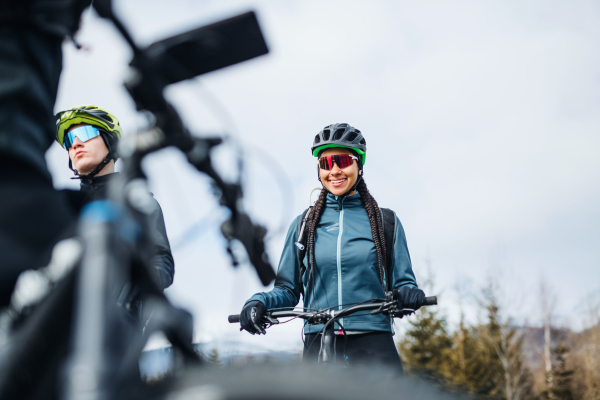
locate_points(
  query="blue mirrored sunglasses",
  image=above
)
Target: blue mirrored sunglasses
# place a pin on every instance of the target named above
(84, 133)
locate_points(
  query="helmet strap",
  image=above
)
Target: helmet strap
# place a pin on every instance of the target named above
(353, 188)
(88, 177)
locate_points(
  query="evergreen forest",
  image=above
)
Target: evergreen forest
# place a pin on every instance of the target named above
(495, 358)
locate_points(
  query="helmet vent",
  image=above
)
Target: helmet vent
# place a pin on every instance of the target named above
(338, 134)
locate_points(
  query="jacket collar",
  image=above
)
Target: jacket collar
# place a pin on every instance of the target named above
(349, 201)
(97, 182)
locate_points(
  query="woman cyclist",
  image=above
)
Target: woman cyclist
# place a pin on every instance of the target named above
(345, 257)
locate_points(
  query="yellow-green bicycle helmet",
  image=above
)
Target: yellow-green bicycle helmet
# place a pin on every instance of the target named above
(102, 119)
(87, 114)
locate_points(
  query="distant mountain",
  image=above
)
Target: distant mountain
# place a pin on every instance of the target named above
(534, 340)
(157, 362)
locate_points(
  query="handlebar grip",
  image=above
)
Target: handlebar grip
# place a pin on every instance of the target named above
(428, 301)
(234, 318)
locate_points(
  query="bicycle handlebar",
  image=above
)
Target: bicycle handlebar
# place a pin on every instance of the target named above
(428, 301)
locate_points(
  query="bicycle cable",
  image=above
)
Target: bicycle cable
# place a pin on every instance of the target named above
(292, 309)
(279, 176)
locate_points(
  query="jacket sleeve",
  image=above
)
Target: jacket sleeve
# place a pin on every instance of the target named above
(402, 273)
(286, 292)
(162, 262)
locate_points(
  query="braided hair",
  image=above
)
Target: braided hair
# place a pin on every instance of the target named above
(374, 214)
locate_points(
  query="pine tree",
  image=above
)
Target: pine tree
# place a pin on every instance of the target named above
(468, 366)
(508, 374)
(457, 372)
(213, 358)
(426, 345)
(585, 361)
(562, 375)
(488, 380)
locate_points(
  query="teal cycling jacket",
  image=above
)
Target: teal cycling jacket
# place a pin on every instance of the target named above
(347, 267)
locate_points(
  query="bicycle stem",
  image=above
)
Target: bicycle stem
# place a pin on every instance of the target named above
(327, 352)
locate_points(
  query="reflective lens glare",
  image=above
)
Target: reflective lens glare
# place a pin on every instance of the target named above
(84, 133)
(341, 160)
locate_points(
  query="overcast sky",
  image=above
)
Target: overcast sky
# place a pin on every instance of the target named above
(481, 120)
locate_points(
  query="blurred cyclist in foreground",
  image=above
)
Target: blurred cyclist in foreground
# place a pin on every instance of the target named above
(33, 216)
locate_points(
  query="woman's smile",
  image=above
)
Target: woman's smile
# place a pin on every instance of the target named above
(337, 182)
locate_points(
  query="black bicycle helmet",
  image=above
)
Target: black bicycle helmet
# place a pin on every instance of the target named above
(340, 135)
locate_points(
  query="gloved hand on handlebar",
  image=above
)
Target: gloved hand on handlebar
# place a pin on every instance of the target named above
(410, 297)
(251, 315)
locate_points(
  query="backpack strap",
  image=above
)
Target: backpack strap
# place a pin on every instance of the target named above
(301, 244)
(388, 218)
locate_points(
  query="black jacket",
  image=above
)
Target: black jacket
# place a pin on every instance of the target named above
(30, 64)
(162, 261)
(33, 216)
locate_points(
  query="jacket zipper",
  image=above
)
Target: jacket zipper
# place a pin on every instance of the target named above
(339, 255)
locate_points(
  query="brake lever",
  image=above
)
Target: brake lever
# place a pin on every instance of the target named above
(267, 319)
(382, 308)
(265, 323)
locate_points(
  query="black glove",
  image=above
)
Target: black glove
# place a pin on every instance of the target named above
(410, 297)
(251, 315)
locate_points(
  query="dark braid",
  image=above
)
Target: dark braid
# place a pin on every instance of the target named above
(315, 216)
(370, 204)
(374, 214)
